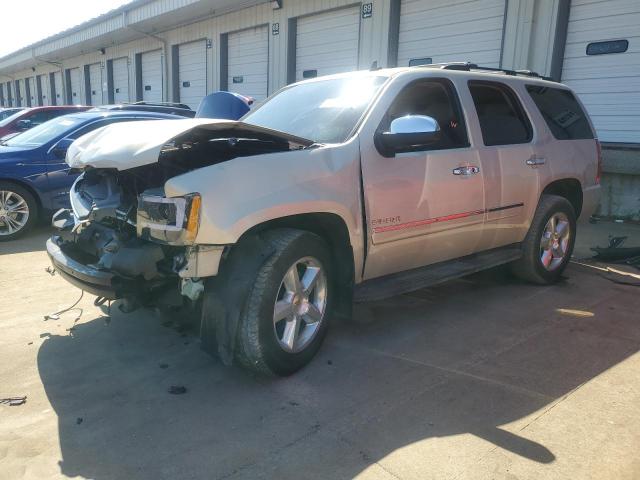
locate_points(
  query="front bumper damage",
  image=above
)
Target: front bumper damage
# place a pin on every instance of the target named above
(116, 264)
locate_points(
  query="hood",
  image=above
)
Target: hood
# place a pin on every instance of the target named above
(126, 145)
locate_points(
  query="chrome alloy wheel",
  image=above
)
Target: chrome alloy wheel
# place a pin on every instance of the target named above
(555, 241)
(14, 212)
(300, 305)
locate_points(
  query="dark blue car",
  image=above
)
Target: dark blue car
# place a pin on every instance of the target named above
(34, 178)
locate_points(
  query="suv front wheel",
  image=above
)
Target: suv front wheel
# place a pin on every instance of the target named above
(286, 315)
(548, 246)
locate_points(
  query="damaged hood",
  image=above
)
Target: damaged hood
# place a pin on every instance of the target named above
(126, 145)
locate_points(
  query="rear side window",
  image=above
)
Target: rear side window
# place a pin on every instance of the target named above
(562, 112)
(502, 118)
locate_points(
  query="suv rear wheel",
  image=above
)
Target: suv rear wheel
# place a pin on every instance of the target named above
(18, 211)
(549, 243)
(287, 312)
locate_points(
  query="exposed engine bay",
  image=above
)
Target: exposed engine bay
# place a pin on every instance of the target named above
(127, 238)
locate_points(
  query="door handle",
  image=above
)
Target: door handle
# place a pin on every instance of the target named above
(470, 170)
(534, 161)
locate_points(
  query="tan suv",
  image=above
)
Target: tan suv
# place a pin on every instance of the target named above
(349, 187)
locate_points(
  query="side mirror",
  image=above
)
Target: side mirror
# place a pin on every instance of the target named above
(60, 148)
(409, 133)
(23, 125)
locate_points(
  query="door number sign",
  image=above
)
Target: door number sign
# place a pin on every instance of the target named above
(367, 10)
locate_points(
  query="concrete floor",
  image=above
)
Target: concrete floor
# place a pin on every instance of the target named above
(484, 377)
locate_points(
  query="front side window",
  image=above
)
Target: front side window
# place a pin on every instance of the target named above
(501, 116)
(434, 98)
(324, 111)
(562, 112)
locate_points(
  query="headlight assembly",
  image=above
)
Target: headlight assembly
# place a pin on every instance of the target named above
(173, 220)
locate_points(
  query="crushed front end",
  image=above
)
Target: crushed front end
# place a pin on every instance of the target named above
(124, 239)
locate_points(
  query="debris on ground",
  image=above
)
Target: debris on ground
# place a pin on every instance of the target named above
(616, 253)
(13, 401)
(56, 315)
(177, 390)
(79, 420)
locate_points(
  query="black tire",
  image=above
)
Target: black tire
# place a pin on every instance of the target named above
(530, 267)
(32, 206)
(258, 347)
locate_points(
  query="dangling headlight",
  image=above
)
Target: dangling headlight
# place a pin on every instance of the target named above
(173, 220)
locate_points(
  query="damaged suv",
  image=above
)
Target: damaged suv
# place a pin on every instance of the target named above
(349, 187)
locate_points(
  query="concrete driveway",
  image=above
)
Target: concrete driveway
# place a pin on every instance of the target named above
(484, 377)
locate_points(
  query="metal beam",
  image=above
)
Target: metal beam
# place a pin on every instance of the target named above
(560, 39)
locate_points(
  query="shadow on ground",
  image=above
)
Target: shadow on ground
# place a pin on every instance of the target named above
(483, 355)
(32, 241)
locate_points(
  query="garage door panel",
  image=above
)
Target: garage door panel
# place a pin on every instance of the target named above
(451, 31)
(120, 68)
(468, 20)
(608, 84)
(613, 73)
(45, 89)
(95, 84)
(192, 72)
(627, 22)
(480, 42)
(581, 10)
(33, 94)
(328, 42)
(248, 62)
(578, 50)
(152, 78)
(60, 95)
(611, 85)
(76, 92)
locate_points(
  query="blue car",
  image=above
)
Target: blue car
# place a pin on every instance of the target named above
(34, 178)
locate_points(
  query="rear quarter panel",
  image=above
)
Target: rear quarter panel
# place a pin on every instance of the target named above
(566, 159)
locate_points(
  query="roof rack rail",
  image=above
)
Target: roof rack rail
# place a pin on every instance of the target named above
(468, 66)
(162, 104)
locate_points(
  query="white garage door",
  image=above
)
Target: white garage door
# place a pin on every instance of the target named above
(192, 72)
(152, 85)
(76, 92)
(327, 43)
(121, 80)
(607, 82)
(11, 96)
(59, 89)
(435, 31)
(22, 97)
(33, 94)
(95, 84)
(248, 62)
(45, 91)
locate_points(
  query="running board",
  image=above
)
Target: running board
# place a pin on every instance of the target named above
(411, 280)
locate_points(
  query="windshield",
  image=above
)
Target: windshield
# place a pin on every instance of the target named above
(38, 136)
(11, 118)
(325, 111)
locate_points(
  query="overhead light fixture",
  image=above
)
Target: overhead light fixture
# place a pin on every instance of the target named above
(276, 4)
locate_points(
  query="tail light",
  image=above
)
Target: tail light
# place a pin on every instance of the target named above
(599, 170)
